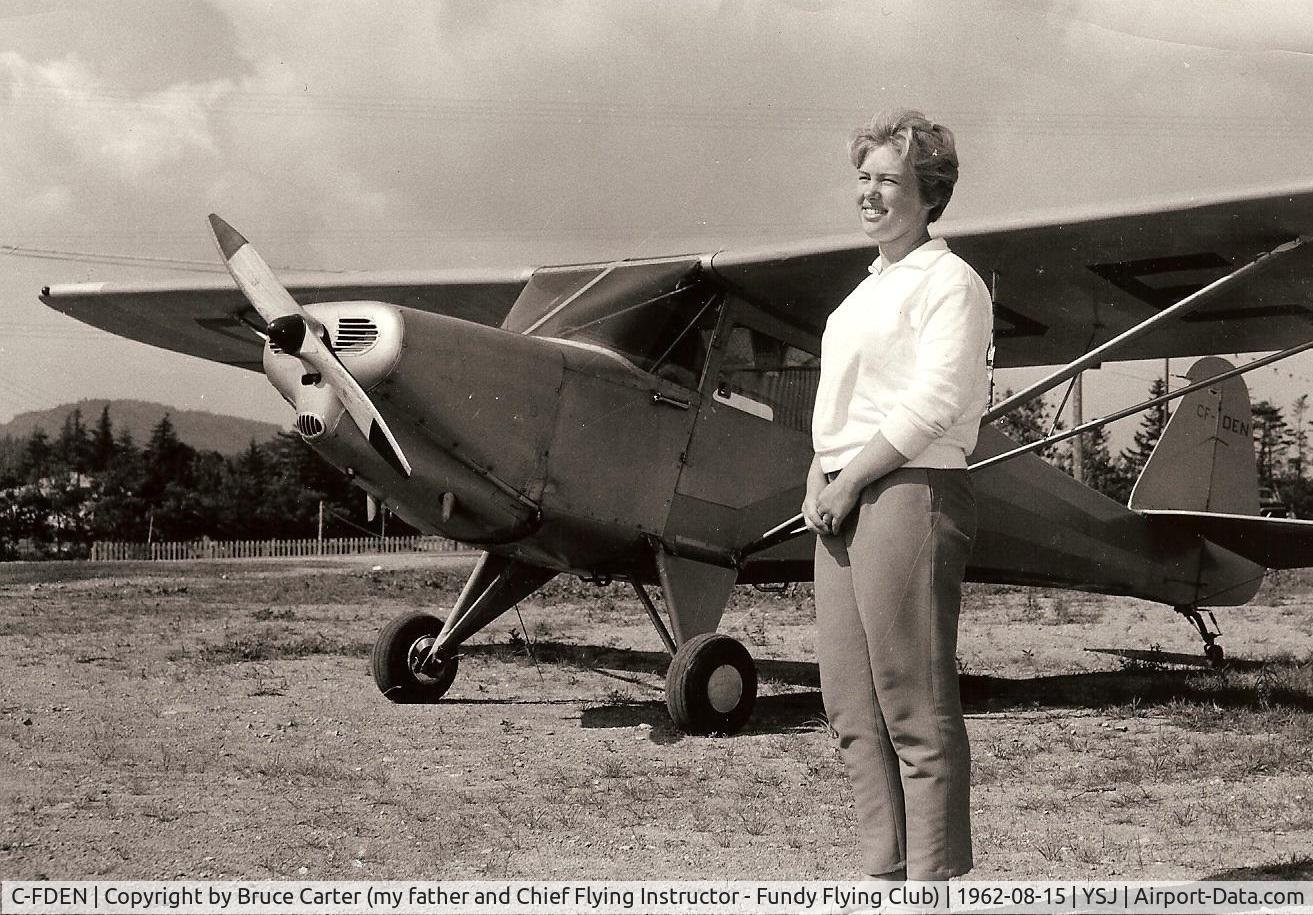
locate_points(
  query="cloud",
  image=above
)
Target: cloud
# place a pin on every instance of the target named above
(1225, 25)
(131, 137)
(420, 133)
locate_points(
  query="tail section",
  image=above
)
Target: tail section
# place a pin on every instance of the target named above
(1204, 461)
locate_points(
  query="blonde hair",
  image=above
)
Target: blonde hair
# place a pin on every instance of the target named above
(928, 147)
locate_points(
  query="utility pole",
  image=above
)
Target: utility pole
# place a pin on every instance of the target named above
(321, 527)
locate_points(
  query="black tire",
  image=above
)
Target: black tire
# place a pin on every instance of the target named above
(394, 661)
(711, 685)
(1215, 655)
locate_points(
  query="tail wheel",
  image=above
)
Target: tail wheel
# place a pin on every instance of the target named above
(711, 685)
(398, 665)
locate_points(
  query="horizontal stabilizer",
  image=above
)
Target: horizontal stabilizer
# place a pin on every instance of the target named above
(1277, 543)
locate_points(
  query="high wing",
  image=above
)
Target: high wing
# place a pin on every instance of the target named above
(212, 319)
(1063, 283)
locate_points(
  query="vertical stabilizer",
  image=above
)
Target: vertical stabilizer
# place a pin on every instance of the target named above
(1204, 461)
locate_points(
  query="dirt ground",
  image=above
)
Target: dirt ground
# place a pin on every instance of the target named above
(214, 720)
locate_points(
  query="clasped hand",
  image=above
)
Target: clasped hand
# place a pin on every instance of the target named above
(824, 510)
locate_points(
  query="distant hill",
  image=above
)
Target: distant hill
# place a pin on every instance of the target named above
(202, 430)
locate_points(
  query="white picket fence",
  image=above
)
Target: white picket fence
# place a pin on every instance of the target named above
(106, 551)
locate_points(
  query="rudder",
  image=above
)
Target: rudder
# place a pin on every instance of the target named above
(1204, 460)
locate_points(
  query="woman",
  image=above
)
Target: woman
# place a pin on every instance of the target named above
(903, 384)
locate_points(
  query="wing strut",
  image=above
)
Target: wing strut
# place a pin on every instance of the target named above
(795, 527)
(1102, 353)
(1152, 402)
(780, 533)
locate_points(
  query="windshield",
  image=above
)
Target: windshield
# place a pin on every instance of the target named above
(656, 315)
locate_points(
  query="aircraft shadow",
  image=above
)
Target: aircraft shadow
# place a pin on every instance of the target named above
(800, 709)
(1155, 656)
(1300, 868)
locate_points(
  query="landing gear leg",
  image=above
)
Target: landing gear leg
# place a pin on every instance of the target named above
(415, 660)
(711, 684)
(1212, 651)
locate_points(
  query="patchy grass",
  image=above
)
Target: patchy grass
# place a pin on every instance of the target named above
(217, 720)
(268, 647)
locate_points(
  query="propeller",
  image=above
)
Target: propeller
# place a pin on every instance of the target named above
(293, 330)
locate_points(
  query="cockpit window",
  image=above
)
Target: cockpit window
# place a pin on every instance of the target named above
(768, 378)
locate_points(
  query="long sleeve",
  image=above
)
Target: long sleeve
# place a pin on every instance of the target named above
(948, 380)
(905, 355)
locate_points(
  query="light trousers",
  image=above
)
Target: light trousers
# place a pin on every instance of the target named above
(888, 593)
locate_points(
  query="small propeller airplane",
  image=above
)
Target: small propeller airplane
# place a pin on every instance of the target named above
(648, 420)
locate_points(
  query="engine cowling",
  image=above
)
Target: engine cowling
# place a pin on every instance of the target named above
(367, 336)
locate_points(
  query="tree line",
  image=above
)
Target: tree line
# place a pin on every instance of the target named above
(1281, 449)
(59, 495)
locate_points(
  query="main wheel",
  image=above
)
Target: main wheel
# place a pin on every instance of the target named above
(397, 657)
(711, 685)
(1215, 655)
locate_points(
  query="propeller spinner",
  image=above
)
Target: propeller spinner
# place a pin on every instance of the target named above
(293, 330)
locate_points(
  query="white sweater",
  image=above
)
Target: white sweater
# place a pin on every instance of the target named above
(905, 355)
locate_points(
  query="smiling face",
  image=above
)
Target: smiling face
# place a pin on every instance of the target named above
(894, 215)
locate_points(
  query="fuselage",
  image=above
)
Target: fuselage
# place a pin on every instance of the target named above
(565, 454)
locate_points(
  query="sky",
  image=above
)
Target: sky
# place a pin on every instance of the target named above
(490, 133)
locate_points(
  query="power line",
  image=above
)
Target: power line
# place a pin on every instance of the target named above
(92, 257)
(558, 110)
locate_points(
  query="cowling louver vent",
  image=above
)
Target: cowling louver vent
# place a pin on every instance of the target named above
(354, 335)
(309, 425)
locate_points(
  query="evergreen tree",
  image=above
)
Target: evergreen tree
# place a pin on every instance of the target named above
(102, 442)
(1031, 422)
(68, 519)
(38, 457)
(120, 511)
(1133, 459)
(32, 516)
(8, 524)
(167, 460)
(74, 446)
(1100, 471)
(1297, 494)
(1299, 437)
(11, 462)
(199, 508)
(245, 508)
(1272, 439)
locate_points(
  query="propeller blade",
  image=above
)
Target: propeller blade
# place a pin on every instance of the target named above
(366, 416)
(253, 275)
(294, 331)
